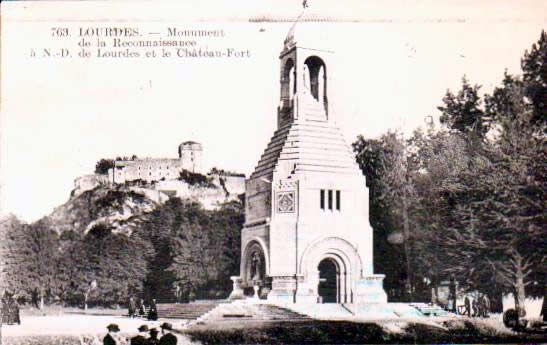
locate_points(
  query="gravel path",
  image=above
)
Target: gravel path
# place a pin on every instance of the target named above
(73, 324)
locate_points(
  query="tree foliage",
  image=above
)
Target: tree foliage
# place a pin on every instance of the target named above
(468, 198)
(177, 244)
(103, 165)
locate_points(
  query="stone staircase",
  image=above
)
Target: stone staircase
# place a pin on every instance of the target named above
(187, 311)
(249, 311)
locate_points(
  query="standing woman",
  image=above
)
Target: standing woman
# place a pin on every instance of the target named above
(14, 308)
(142, 309)
(131, 307)
(153, 312)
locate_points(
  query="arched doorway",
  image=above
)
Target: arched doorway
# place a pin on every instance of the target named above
(329, 281)
(255, 265)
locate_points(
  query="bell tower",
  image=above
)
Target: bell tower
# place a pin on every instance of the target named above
(303, 80)
(306, 237)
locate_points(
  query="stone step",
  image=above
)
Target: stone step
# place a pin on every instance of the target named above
(188, 311)
(242, 310)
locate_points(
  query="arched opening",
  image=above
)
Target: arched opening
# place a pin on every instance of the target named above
(329, 281)
(288, 84)
(315, 78)
(255, 265)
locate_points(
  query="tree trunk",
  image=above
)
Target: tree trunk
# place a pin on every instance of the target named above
(406, 244)
(519, 291)
(519, 284)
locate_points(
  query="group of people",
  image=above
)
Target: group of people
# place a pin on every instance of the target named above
(140, 308)
(479, 306)
(146, 336)
(10, 310)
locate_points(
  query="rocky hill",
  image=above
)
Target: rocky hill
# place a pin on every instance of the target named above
(122, 207)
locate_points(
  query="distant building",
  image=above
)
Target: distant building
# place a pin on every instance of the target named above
(157, 169)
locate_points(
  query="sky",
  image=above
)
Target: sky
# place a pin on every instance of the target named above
(393, 62)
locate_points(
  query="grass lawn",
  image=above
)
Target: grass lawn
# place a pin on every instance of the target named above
(337, 332)
(71, 326)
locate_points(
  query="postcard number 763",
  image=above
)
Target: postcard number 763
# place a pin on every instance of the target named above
(59, 32)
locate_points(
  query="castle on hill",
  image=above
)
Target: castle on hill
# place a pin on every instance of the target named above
(163, 175)
(158, 169)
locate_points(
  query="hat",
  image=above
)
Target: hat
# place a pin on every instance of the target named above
(166, 325)
(143, 328)
(113, 327)
(154, 331)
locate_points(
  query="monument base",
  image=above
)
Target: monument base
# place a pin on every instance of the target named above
(370, 289)
(283, 289)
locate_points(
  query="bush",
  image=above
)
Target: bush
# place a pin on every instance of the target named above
(103, 165)
(196, 179)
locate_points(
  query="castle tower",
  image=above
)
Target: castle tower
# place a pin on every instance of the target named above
(306, 236)
(190, 155)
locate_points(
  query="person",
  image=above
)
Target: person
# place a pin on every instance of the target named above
(481, 306)
(167, 338)
(14, 308)
(6, 308)
(486, 306)
(475, 307)
(467, 307)
(111, 338)
(153, 340)
(153, 312)
(142, 309)
(131, 307)
(140, 339)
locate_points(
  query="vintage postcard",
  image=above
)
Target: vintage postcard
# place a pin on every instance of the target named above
(272, 171)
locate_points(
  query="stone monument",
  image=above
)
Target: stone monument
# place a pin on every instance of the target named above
(307, 237)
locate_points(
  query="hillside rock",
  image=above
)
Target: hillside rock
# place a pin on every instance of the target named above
(119, 207)
(123, 207)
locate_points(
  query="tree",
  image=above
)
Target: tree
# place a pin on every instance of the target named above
(117, 263)
(499, 226)
(35, 251)
(384, 162)
(438, 158)
(103, 165)
(463, 112)
(534, 68)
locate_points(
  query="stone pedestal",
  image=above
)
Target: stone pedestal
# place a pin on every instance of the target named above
(370, 289)
(237, 291)
(283, 289)
(255, 288)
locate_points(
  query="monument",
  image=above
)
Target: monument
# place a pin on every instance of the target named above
(307, 237)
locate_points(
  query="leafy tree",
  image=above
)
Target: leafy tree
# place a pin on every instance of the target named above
(463, 112)
(103, 165)
(11, 231)
(384, 163)
(501, 225)
(117, 263)
(534, 68)
(195, 249)
(33, 253)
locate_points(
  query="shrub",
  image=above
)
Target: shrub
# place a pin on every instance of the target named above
(195, 179)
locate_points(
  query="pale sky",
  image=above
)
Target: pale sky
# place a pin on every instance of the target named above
(393, 62)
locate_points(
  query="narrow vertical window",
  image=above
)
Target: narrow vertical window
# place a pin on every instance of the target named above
(330, 199)
(338, 200)
(322, 199)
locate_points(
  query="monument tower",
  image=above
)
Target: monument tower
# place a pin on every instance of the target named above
(306, 237)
